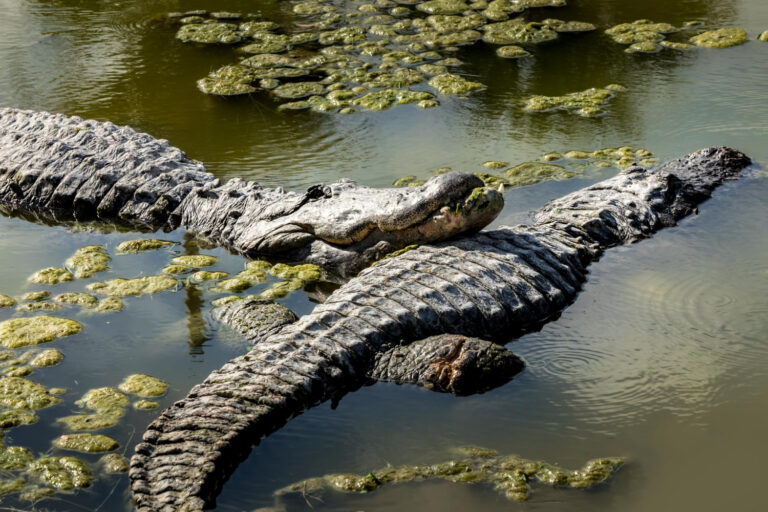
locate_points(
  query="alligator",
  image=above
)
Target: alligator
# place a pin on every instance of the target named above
(495, 285)
(446, 363)
(58, 169)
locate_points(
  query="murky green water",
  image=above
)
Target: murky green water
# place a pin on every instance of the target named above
(663, 358)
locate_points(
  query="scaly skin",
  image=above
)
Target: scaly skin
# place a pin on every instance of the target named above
(55, 168)
(495, 284)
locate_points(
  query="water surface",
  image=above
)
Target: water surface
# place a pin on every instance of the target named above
(661, 359)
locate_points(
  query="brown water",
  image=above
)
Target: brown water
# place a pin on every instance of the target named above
(663, 358)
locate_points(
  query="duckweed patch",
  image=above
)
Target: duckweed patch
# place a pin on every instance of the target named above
(48, 357)
(510, 475)
(20, 393)
(114, 463)
(721, 38)
(143, 386)
(88, 260)
(6, 301)
(86, 443)
(63, 473)
(143, 244)
(77, 299)
(588, 103)
(137, 286)
(51, 276)
(21, 332)
(195, 260)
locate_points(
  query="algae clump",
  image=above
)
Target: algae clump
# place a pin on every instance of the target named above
(51, 275)
(195, 260)
(384, 99)
(721, 38)
(145, 404)
(39, 306)
(14, 457)
(86, 443)
(449, 83)
(204, 275)
(88, 261)
(143, 386)
(763, 37)
(114, 463)
(511, 52)
(517, 32)
(62, 472)
(175, 269)
(77, 299)
(588, 103)
(35, 296)
(20, 332)
(109, 405)
(6, 301)
(49, 357)
(307, 272)
(210, 33)
(10, 418)
(136, 286)
(443, 6)
(143, 244)
(11, 486)
(109, 305)
(21, 393)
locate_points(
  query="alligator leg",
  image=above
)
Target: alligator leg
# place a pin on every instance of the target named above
(495, 284)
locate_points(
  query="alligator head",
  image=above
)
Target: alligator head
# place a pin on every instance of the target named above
(341, 226)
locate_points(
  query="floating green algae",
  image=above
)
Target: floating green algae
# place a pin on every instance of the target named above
(673, 45)
(216, 87)
(143, 386)
(721, 38)
(109, 405)
(48, 357)
(195, 260)
(305, 272)
(517, 32)
(10, 418)
(136, 286)
(210, 33)
(109, 305)
(39, 306)
(386, 98)
(14, 458)
(88, 261)
(77, 299)
(449, 83)
(510, 475)
(114, 463)
(204, 275)
(529, 173)
(57, 391)
(443, 6)
(36, 296)
(511, 52)
(145, 404)
(588, 103)
(20, 393)
(175, 269)
(763, 36)
(639, 31)
(11, 486)
(51, 275)
(61, 472)
(143, 244)
(6, 301)
(221, 301)
(235, 284)
(281, 289)
(86, 443)
(298, 90)
(20, 371)
(562, 27)
(20, 332)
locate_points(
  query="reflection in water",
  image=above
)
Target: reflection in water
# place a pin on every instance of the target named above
(194, 303)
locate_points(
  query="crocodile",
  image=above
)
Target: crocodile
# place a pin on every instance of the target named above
(495, 285)
(58, 169)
